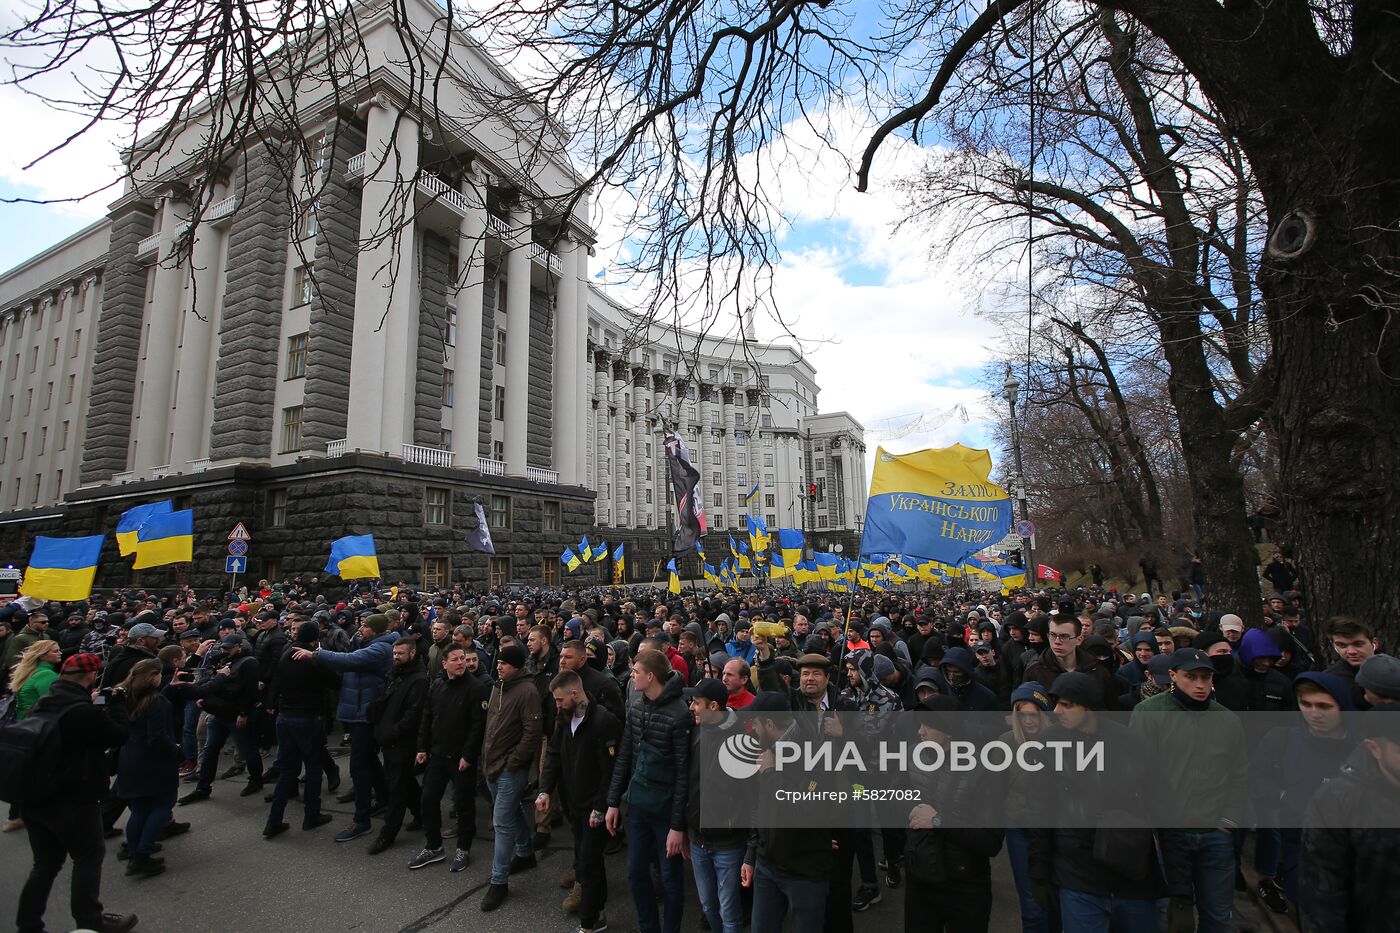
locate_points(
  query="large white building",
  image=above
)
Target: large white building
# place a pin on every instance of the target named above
(370, 328)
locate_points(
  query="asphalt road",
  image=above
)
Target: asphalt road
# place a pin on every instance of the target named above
(223, 876)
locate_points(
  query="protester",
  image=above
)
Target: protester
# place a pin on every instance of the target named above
(579, 768)
(148, 767)
(452, 727)
(514, 728)
(64, 817)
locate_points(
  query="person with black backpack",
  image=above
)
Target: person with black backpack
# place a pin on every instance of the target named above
(62, 802)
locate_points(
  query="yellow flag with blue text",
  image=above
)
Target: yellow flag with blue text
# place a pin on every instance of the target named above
(937, 504)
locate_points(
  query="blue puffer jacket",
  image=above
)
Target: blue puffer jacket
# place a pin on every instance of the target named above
(365, 672)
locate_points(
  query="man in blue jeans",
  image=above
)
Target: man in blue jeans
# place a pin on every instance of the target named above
(789, 869)
(229, 699)
(716, 851)
(653, 775)
(514, 727)
(1198, 743)
(364, 675)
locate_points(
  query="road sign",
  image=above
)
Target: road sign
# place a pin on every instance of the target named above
(239, 533)
(1025, 528)
(237, 547)
(235, 565)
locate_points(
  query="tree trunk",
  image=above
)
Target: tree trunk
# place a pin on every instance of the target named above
(1338, 411)
(1223, 538)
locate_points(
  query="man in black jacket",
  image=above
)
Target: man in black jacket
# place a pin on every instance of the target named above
(449, 743)
(230, 699)
(600, 688)
(716, 847)
(653, 771)
(142, 641)
(578, 766)
(395, 718)
(67, 821)
(296, 696)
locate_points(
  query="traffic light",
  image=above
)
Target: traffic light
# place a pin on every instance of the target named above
(812, 490)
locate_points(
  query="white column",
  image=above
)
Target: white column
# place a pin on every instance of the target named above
(191, 441)
(163, 320)
(384, 283)
(567, 366)
(518, 340)
(580, 286)
(471, 292)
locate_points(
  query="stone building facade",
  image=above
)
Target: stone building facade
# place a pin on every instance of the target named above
(370, 338)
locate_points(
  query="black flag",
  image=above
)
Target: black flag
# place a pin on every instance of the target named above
(690, 502)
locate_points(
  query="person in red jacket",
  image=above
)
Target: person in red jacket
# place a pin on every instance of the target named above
(736, 681)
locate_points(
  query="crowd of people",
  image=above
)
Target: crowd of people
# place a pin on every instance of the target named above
(554, 711)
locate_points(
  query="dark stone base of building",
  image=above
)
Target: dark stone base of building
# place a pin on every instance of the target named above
(294, 512)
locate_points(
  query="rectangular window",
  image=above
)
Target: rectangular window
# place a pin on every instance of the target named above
(768, 460)
(28, 402)
(23, 443)
(648, 492)
(58, 484)
(549, 516)
(291, 429)
(714, 416)
(716, 478)
(38, 481)
(498, 450)
(452, 326)
(302, 289)
(306, 220)
(500, 403)
(72, 389)
(498, 571)
(743, 479)
(272, 568)
(33, 358)
(296, 356)
(717, 499)
(53, 351)
(446, 439)
(447, 388)
(435, 573)
(767, 440)
(715, 457)
(437, 503)
(277, 508)
(48, 396)
(4, 448)
(768, 479)
(43, 440)
(740, 437)
(648, 473)
(500, 347)
(714, 374)
(500, 512)
(769, 502)
(549, 572)
(765, 421)
(821, 521)
(741, 459)
(739, 419)
(77, 342)
(772, 520)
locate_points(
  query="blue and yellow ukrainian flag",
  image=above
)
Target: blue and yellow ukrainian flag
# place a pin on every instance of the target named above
(935, 504)
(758, 535)
(790, 543)
(674, 584)
(710, 575)
(600, 550)
(61, 568)
(132, 519)
(806, 572)
(826, 565)
(569, 559)
(585, 550)
(751, 493)
(166, 538)
(353, 558)
(619, 562)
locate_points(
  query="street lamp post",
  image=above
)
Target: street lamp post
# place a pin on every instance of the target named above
(1010, 389)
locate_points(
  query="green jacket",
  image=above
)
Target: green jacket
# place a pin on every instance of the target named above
(35, 687)
(16, 646)
(1202, 758)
